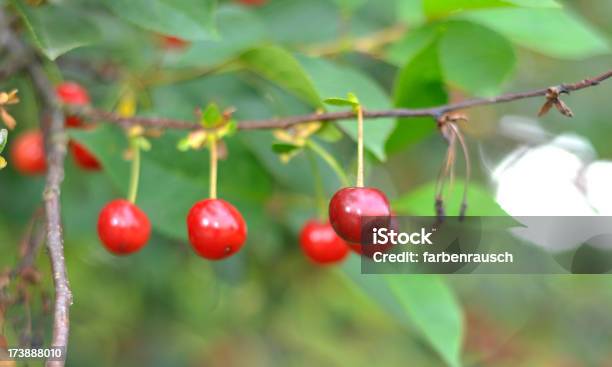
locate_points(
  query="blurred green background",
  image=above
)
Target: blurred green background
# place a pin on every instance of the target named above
(269, 305)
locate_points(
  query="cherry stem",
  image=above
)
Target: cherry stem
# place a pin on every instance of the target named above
(330, 160)
(319, 189)
(359, 146)
(135, 171)
(213, 168)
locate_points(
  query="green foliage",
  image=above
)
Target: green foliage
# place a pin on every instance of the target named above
(331, 79)
(479, 66)
(188, 19)
(76, 28)
(281, 67)
(431, 305)
(418, 84)
(554, 32)
(278, 60)
(420, 201)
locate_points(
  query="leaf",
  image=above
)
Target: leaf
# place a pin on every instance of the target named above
(187, 19)
(554, 32)
(420, 201)
(211, 115)
(329, 132)
(3, 139)
(56, 30)
(432, 307)
(279, 66)
(441, 8)
(421, 300)
(337, 101)
(400, 52)
(332, 80)
(419, 84)
(239, 30)
(475, 58)
(283, 148)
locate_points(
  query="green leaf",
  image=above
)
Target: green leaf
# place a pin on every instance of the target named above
(329, 132)
(420, 201)
(187, 19)
(332, 80)
(239, 30)
(412, 44)
(279, 66)
(211, 115)
(56, 30)
(411, 11)
(432, 307)
(282, 148)
(475, 58)
(3, 139)
(419, 84)
(554, 32)
(421, 300)
(441, 8)
(350, 101)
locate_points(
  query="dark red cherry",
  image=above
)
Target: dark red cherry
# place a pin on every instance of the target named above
(28, 153)
(350, 204)
(73, 93)
(84, 159)
(123, 228)
(321, 244)
(216, 229)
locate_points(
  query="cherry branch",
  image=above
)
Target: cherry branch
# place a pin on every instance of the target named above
(286, 122)
(55, 146)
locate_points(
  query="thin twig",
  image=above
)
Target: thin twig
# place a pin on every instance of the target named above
(286, 122)
(55, 144)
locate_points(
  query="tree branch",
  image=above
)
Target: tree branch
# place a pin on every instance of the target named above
(286, 122)
(55, 147)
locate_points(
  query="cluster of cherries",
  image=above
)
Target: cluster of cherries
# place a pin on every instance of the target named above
(215, 227)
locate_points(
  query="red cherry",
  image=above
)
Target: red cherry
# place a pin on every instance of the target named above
(216, 229)
(173, 43)
(73, 93)
(252, 2)
(28, 153)
(321, 243)
(123, 228)
(84, 159)
(350, 204)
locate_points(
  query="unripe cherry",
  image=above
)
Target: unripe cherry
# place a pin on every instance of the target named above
(28, 153)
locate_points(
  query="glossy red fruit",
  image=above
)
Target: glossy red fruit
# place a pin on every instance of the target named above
(74, 94)
(84, 158)
(321, 244)
(173, 43)
(123, 228)
(252, 2)
(28, 153)
(366, 246)
(350, 204)
(216, 229)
